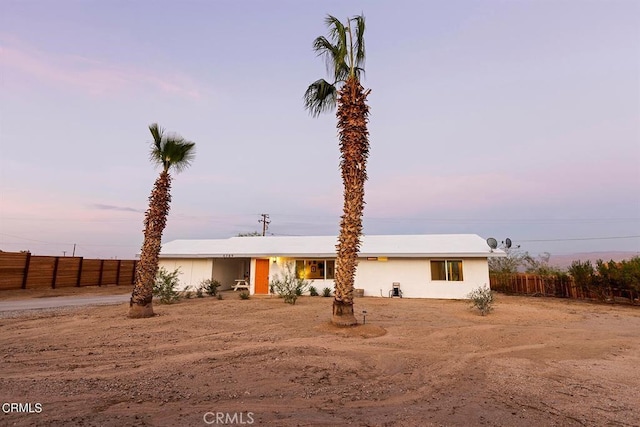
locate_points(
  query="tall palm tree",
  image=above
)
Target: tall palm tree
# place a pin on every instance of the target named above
(344, 55)
(172, 152)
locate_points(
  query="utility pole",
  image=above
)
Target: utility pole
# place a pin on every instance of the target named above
(74, 250)
(265, 223)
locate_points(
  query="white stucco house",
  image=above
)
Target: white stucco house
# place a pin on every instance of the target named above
(425, 266)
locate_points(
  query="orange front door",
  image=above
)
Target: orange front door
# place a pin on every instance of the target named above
(262, 276)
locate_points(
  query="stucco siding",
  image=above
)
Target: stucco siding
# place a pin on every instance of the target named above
(414, 276)
(192, 271)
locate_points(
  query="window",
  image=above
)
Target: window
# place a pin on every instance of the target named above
(448, 270)
(315, 269)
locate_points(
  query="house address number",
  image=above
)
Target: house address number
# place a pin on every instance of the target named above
(227, 255)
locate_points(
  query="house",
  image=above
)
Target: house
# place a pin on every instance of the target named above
(425, 266)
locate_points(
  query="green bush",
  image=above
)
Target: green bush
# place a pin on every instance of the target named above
(165, 285)
(244, 295)
(210, 287)
(288, 286)
(313, 291)
(199, 292)
(482, 299)
(326, 292)
(583, 275)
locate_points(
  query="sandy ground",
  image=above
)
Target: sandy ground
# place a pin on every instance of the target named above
(416, 362)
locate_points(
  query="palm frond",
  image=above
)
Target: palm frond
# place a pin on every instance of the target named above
(359, 41)
(178, 154)
(343, 57)
(340, 60)
(157, 132)
(337, 30)
(319, 97)
(334, 56)
(170, 151)
(359, 73)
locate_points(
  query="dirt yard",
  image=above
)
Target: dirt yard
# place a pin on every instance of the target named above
(416, 362)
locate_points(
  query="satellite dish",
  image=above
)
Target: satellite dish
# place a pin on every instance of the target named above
(507, 243)
(493, 243)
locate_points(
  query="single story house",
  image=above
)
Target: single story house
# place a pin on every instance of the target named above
(425, 266)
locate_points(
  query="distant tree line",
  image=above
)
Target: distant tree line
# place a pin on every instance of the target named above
(603, 280)
(605, 277)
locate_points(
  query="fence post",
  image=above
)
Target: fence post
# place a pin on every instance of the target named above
(101, 270)
(79, 273)
(55, 273)
(118, 272)
(27, 261)
(133, 274)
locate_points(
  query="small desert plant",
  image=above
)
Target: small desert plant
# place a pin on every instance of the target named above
(313, 291)
(187, 293)
(288, 286)
(326, 292)
(482, 299)
(244, 295)
(210, 287)
(199, 292)
(219, 296)
(165, 285)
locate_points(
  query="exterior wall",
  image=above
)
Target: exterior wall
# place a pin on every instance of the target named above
(192, 271)
(375, 277)
(414, 275)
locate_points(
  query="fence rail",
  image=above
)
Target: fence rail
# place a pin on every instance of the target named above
(21, 270)
(556, 286)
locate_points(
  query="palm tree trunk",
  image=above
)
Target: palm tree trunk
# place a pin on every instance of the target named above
(354, 149)
(155, 220)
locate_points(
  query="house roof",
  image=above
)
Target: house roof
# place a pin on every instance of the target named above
(405, 246)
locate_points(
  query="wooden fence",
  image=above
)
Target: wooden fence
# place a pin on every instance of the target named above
(562, 286)
(21, 270)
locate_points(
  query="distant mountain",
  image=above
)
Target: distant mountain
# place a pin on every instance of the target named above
(564, 261)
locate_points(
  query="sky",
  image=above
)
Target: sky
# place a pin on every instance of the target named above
(516, 119)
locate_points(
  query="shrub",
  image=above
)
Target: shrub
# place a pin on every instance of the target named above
(583, 275)
(313, 291)
(199, 292)
(326, 292)
(288, 286)
(244, 295)
(210, 287)
(482, 299)
(187, 293)
(165, 285)
(219, 296)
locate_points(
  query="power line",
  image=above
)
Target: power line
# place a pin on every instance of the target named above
(59, 243)
(34, 240)
(233, 217)
(580, 238)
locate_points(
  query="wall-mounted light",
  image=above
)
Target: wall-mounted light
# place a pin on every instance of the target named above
(274, 259)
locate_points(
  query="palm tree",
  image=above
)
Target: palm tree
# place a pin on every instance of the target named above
(170, 152)
(344, 55)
